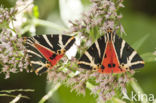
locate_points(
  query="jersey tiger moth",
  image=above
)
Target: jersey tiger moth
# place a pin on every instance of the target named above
(46, 50)
(110, 54)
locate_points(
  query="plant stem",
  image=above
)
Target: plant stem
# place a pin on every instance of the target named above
(8, 95)
(48, 24)
(15, 100)
(17, 90)
(50, 93)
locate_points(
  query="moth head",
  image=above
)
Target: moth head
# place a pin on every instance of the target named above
(109, 30)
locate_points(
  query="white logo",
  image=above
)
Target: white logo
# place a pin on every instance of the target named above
(138, 97)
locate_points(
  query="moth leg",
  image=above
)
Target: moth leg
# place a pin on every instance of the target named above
(112, 71)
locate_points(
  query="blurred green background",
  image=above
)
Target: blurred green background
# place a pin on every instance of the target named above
(139, 19)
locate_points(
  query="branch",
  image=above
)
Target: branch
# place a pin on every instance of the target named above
(50, 93)
(48, 24)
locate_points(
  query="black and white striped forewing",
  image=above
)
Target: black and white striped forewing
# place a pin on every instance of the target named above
(37, 60)
(51, 42)
(126, 54)
(93, 56)
(55, 42)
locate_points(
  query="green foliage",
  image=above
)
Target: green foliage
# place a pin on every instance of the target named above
(140, 42)
(35, 11)
(148, 57)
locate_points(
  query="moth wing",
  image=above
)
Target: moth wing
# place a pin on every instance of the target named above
(55, 42)
(126, 54)
(37, 60)
(94, 55)
(51, 42)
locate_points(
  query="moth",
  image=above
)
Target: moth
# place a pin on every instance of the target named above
(110, 54)
(46, 50)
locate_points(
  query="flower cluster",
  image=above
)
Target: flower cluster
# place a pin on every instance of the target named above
(13, 57)
(104, 86)
(78, 82)
(69, 75)
(21, 22)
(103, 14)
(108, 84)
(12, 53)
(6, 15)
(66, 73)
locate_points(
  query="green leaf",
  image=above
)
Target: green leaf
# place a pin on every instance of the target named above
(35, 11)
(89, 85)
(117, 100)
(139, 42)
(148, 57)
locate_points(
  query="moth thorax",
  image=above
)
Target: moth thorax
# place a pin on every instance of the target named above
(110, 36)
(60, 52)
